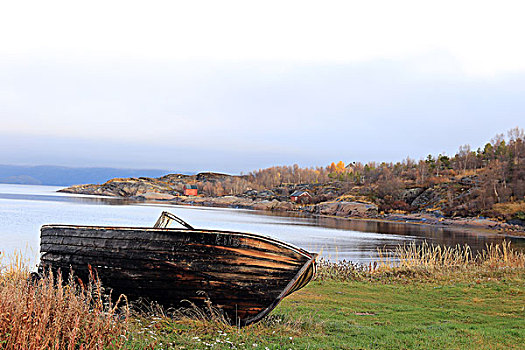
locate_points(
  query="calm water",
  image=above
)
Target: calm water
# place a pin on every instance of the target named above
(23, 209)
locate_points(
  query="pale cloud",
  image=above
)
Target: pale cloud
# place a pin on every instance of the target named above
(484, 36)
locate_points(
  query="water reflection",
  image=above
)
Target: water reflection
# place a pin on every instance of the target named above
(74, 199)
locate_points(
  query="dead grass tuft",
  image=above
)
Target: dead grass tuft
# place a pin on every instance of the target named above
(48, 313)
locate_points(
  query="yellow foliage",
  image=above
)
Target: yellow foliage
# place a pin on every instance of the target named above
(340, 167)
(398, 211)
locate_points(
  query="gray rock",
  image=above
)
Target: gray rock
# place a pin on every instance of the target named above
(410, 194)
(425, 198)
(354, 209)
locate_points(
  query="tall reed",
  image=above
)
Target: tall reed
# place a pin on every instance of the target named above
(425, 258)
(50, 313)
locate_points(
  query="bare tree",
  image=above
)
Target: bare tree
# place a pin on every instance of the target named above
(516, 139)
(463, 155)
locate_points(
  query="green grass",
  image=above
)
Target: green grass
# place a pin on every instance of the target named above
(457, 312)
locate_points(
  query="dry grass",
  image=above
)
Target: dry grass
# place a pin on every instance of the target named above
(52, 314)
(509, 209)
(208, 314)
(194, 327)
(440, 258)
(427, 260)
(341, 270)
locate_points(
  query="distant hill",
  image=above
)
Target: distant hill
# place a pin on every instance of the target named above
(67, 176)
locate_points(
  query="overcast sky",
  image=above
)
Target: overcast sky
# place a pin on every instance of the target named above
(237, 85)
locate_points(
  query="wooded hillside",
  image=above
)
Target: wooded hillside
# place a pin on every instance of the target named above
(487, 181)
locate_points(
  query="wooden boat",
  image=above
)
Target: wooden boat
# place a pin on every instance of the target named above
(244, 274)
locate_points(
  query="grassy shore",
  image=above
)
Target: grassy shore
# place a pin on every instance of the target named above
(481, 314)
(431, 298)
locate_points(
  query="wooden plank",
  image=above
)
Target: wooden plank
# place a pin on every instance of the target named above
(160, 269)
(226, 262)
(78, 245)
(152, 244)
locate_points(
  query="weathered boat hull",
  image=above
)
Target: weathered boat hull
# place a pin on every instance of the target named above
(246, 275)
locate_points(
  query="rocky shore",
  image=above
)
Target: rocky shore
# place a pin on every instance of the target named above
(354, 210)
(153, 190)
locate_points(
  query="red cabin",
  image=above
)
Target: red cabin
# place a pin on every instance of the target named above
(301, 197)
(191, 190)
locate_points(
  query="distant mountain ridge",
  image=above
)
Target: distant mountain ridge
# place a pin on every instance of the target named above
(67, 176)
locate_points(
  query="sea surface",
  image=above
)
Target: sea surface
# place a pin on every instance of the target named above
(24, 209)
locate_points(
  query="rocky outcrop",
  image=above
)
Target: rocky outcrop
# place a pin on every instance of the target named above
(344, 209)
(273, 205)
(410, 194)
(209, 176)
(123, 188)
(155, 196)
(235, 202)
(426, 198)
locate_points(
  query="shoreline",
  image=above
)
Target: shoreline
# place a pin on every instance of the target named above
(483, 226)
